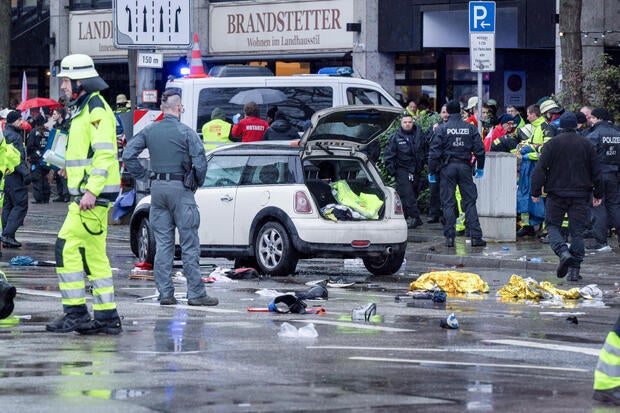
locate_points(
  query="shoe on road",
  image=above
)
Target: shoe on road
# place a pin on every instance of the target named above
(433, 220)
(168, 301)
(414, 223)
(526, 231)
(608, 396)
(107, 326)
(203, 301)
(10, 242)
(566, 260)
(449, 242)
(68, 322)
(478, 242)
(573, 274)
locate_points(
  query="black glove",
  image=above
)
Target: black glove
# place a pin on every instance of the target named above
(27, 179)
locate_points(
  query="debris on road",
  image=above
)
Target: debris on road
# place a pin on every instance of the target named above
(451, 282)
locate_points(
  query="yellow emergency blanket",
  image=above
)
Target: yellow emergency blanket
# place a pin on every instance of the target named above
(451, 282)
(367, 205)
(528, 288)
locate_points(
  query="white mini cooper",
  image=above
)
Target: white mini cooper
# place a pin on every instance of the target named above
(269, 204)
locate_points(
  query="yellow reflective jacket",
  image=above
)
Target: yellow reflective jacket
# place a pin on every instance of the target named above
(215, 133)
(91, 157)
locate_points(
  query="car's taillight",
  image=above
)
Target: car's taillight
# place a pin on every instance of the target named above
(398, 206)
(302, 203)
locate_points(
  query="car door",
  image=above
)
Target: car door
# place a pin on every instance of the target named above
(217, 199)
(264, 185)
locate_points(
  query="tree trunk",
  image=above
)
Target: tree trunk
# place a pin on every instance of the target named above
(570, 44)
(5, 51)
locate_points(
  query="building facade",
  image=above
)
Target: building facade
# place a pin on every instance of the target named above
(414, 48)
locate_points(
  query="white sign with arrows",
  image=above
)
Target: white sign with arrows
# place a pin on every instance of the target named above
(156, 24)
(482, 36)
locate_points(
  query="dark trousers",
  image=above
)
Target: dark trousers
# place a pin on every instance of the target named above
(15, 204)
(608, 213)
(577, 210)
(40, 185)
(434, 199)
(408, 192)
(453, 174)
(61, 186)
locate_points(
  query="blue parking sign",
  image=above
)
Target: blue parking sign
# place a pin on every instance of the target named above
(482, 16)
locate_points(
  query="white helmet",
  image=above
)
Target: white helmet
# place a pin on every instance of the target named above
(77, 66)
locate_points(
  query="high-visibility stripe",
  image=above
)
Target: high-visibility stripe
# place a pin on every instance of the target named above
(110, 188)
(103, 146)
(103, 298)
(72, 293)
(78, 162)
(70, 277)
(102, 283)
(99, 171)
(606, 366)
(104, 306)
(75, 191)
(73, 301)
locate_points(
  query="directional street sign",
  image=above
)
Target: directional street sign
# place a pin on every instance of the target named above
(482, 36)
(152, 24)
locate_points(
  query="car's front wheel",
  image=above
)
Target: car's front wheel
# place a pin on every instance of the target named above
(274, 251)
(146, 242)
(385, 264)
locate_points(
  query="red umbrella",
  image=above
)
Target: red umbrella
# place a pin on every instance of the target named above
(38, 103)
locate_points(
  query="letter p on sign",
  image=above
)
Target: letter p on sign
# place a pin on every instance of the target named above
(482, 16)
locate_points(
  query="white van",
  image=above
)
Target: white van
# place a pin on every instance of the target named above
(300, 95)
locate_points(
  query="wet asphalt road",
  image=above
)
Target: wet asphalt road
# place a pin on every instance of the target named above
(507, 357)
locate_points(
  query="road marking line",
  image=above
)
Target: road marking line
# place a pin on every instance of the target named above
(27, 291)
(422, 350)
(547, 346)
(193, 307)
(359, 326)
(460, 363)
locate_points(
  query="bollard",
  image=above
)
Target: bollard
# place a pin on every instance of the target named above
(497, 197)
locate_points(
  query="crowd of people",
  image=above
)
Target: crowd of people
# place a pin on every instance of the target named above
(453, 151)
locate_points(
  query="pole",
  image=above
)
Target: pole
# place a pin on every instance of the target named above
(479, 117)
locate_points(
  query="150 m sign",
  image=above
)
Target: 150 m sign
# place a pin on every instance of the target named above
(154, 60)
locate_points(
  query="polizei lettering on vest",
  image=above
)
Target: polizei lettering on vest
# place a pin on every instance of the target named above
(611, 139)
(459, 131)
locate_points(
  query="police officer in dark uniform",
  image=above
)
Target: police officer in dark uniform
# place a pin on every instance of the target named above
(171, 146)
(15, 185)
(450, 156)
(606, 140)
(570, 172)
(404, 157)
(35, 146)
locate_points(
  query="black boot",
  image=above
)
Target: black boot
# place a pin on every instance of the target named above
(449, 242)
(108, 325)
(7, 294)
(68, 322)
(573, 274)
(478, 242)
(566, 259)
(526, 231)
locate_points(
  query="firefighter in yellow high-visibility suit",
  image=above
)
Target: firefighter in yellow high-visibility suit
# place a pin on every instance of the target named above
(93, 179)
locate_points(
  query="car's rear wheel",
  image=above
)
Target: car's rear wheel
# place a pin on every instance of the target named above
(274, 251)
(146, 242)
(385, 264)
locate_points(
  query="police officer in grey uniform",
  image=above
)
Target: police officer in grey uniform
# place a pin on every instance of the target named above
(450, 156)
(172, 144)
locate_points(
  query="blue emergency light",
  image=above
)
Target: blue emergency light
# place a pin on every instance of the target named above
(336, 71)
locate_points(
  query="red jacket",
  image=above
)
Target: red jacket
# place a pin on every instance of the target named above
(250, 129)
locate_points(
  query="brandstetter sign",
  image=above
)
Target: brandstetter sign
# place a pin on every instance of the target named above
(280, 27)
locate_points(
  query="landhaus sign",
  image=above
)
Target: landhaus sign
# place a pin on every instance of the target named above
(280, 27)
(92, 33)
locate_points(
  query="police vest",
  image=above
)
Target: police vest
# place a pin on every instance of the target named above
(609, 144)
(91, 156)
(215, 133)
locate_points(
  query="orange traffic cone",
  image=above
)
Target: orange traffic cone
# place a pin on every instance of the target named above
(195, 67)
